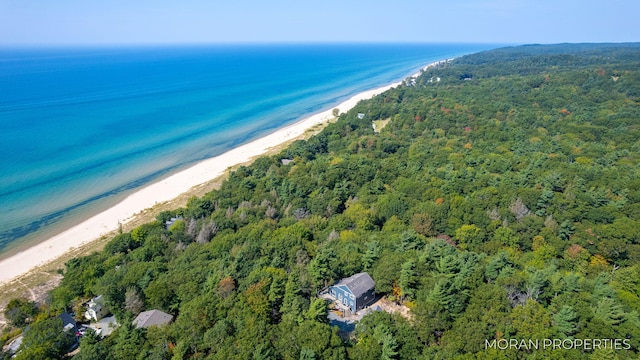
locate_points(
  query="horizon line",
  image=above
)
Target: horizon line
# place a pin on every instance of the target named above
(244, 43)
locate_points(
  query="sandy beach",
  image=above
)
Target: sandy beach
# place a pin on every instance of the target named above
(14, 267)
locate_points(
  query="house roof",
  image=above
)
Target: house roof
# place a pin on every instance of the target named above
(67, 319)
(96, 303)
(358, 284)
(15, 345)
(152, 318)
(171, 221)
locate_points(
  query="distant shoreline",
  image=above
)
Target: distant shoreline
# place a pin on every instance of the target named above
(135, 205)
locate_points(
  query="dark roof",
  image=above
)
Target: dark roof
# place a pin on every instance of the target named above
(358, 284)
(67, 319)
(152, 318)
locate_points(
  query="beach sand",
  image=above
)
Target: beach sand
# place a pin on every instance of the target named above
(125, 212)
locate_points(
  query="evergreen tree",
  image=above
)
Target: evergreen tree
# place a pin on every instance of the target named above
(407, 280)
(564, 320)
(609, 312)
(46, 339)
(371, 254)
(317, 310)
(321, 267)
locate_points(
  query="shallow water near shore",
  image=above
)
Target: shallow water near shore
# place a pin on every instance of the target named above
(80, 129)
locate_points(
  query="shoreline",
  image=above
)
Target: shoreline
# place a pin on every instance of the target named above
(186, 182)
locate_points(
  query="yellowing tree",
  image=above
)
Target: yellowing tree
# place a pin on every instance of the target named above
(469, 236)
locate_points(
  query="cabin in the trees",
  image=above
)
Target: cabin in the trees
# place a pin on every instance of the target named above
(152, 318)
(96, 309)
(69, 323)
(355, 292)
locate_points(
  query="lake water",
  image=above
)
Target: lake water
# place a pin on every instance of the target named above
(80, 128)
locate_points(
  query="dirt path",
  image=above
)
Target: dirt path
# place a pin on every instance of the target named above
(391, 307)
(34, 286)
(33, 294)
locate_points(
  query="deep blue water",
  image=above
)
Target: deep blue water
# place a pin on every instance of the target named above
(80, 127)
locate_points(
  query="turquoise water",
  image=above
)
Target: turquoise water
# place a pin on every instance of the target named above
(82, 127)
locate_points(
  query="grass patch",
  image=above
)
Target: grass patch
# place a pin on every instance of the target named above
(378, 125)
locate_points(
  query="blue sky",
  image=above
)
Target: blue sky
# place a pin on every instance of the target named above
(197, 21)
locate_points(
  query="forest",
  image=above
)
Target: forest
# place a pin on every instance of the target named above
(501, 201)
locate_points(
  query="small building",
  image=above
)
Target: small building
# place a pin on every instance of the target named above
(68, 322)
(286, 161)
(96, 309)
(14, 345)
(69, 325)
(152, 318)
(360, 116)
(355, 292)
(170, 222)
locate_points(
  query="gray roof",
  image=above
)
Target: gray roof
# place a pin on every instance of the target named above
(67, 319)
(359, 283)
(15, 344)
(152, 318)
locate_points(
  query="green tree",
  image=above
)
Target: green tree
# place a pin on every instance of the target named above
(371, 254)
(129, 341)
(498, 266)
(388, 343)
(409, 240)
(407, 280)
(531, 321)
(122, 243)
(469, 236)
(566, 229)
(564, 320)
(317, 310)
(376, 338)
(293, 301)
(19, 312)
(321, 267)
(506, 237)
(93, 348)
(609, 312)
(306, 353)
(46, 338)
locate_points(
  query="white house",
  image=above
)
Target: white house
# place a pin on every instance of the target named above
(96, 309)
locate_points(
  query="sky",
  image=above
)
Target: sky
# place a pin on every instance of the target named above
(79, 22)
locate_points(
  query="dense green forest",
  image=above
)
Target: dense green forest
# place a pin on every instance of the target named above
(501, 201)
